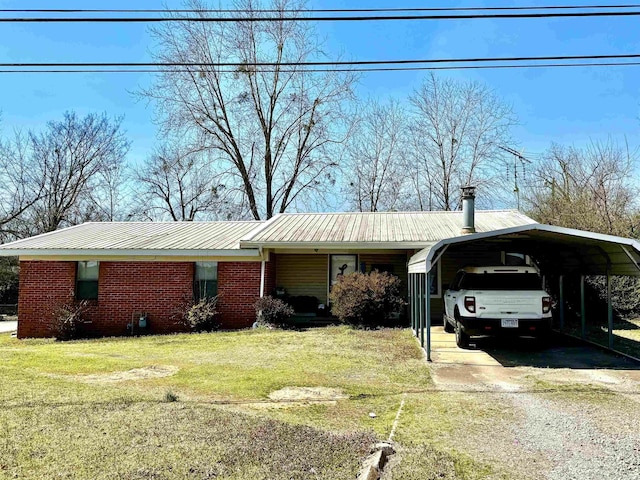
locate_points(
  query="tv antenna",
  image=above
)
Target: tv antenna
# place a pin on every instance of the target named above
(520, 163)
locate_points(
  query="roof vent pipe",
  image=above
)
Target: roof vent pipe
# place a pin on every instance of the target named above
(468, 209)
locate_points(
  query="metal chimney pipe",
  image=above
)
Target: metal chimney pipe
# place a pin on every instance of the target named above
(468, 209)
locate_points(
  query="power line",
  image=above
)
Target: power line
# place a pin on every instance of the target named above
(337, 70)
(245, 19)
(320, 10)
(627, 56)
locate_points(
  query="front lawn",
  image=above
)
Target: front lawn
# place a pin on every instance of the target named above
(250, 404)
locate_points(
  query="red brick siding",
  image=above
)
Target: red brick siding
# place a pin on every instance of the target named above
(43, 286)
(124, 288)
(238, 288)
(157, 288)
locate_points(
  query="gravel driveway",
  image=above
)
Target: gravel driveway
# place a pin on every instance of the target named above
(570, 412)
(574, 443)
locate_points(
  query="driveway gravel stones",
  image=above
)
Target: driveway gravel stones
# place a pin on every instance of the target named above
(574, 442)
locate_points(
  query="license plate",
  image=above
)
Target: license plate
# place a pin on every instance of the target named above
(509, 323)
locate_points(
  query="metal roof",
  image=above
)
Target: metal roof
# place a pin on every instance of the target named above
(138, 238)
(397, 229)
(557, 249)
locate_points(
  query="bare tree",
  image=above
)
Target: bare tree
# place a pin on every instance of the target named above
(457, 128)
(69, 159)
(110, 196)
(376, 148)
(20, 187)
(591, 188)
(274, 127)
(181, 185)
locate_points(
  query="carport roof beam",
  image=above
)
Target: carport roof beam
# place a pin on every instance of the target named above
(624, 249)
(626, 262)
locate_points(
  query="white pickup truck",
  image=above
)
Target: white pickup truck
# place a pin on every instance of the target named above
(496, 300)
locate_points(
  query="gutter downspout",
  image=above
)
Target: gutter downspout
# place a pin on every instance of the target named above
(262, 271)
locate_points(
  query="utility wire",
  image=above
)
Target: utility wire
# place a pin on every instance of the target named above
(322, 10)
(374, 69)
(321, 63)
(245, 19)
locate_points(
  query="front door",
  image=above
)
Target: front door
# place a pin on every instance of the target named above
(341, 265)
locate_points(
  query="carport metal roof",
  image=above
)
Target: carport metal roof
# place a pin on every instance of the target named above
(556, 249)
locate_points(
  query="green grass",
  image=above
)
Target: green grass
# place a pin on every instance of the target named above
(585, 392)
(437, 428)
(170, 441)
(63, 415)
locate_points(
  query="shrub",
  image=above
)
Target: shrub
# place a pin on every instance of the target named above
(67, 319)
(169, 397)
(272, 311)
(625, 294)
(366, 299)
(201, 316)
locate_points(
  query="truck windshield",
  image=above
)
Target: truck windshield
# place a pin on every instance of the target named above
(501, 281)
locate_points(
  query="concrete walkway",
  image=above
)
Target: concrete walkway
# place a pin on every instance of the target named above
(8, 326)
(445, 351)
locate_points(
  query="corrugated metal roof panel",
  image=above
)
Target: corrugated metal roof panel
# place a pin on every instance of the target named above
(393, 227)
(396, 230)
(140, 236)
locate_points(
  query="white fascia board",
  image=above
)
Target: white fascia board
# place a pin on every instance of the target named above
(41, 252)
(339, 245)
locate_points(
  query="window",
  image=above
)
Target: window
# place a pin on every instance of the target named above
(383, 267)
(501, 281)
(455, 285)
(341, 265)
(206, 281)
(514, 259)
(87, 280)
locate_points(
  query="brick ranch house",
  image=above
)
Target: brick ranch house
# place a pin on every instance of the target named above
(130, 269)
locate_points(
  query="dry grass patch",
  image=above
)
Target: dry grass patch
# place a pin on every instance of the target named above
(308, 394)
(144, 373)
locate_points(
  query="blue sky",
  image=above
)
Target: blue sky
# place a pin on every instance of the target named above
(571, 105)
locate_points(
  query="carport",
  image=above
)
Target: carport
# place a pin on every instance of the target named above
(557, 251)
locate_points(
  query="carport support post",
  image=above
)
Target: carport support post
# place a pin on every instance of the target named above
(416, 289)
(609, 310)
(422, 309)
(583, 310)
(561, 302)
(410, 297)
(427, 303)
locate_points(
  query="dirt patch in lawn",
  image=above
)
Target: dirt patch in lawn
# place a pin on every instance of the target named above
(306, 394)
(157, 371)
